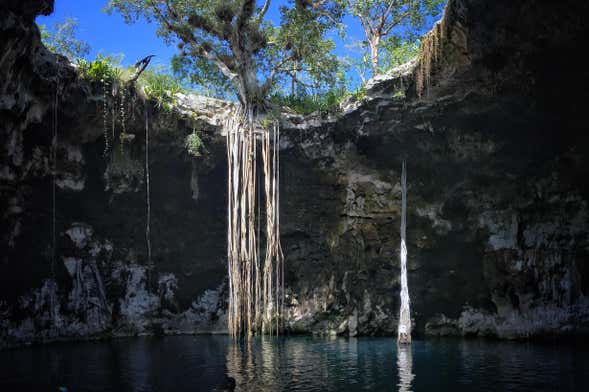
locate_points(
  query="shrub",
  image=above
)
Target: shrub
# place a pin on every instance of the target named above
(161, 87)
(102, 69)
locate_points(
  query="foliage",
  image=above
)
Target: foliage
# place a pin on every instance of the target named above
(358, 95)
(202, 74)
(194, 144)
(392, 25)
(229, 44)
(397, 52)
(103, 68)
(62, 39)
(308, 103)
(308, 58)
(161, 87)
(159, 84)
(320, 102)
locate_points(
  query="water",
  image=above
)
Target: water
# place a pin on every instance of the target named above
(199, 363)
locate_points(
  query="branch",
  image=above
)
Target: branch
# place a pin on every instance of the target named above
(246, 11)
(201, 49)
(210, 54)
(385, 14)
(263, 11)
(298, 81)
(277, 69)
(198, 22)
(367, 26)
(395, 23)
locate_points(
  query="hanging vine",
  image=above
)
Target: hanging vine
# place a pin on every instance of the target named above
(147, 193)
(104, 117)
(53, 154)
(123, 136)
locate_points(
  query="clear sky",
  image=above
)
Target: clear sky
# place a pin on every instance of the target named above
(108, 34)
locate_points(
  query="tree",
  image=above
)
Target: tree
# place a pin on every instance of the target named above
(229, 43)
(310, 62)
(392, 24)
(62, 39)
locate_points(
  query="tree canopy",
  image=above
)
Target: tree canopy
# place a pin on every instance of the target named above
(229, 43)
(281, 50)
(62, 39)
(392, 25)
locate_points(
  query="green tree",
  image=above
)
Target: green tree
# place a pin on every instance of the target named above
(62, 39)
(230, 44)
(392, 25)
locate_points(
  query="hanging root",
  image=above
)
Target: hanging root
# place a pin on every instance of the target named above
(54, 145)
(274, 260)
(404, 333)
(147, 196)
(255, 294)
(430, 57)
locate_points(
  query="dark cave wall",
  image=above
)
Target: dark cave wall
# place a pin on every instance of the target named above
(496, 149)
(497, 159)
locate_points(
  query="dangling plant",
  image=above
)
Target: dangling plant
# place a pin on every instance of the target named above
(194, 144)
(161, 87)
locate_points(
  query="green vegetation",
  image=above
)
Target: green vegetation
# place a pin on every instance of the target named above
(396, 53)
(391, 29)
(290, 66)
(194, 144)
(230, 44)
(161, 87)
(102, 69)
(322, 102)
(62, 39)
(159, 84)
(309, 103)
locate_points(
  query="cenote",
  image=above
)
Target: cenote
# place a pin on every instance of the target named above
(294, 195)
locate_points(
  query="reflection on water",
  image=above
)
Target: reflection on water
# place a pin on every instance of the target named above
(202, 363)
(405, 364)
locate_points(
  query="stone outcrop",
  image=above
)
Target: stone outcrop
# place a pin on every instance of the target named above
(490, 120)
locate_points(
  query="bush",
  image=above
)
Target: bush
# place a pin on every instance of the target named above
(310, 103)
(161, 87)
(102, 69)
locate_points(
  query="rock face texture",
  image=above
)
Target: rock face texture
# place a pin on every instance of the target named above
(490, 120)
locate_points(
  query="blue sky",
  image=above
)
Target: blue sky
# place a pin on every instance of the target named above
(108, 34)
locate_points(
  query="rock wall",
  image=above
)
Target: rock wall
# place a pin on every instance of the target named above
(490, 120)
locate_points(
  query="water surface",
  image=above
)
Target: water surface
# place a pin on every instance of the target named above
(201, 363)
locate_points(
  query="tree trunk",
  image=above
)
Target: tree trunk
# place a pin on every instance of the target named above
(374, 42)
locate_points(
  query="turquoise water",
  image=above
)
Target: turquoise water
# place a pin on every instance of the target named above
(200, 363)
